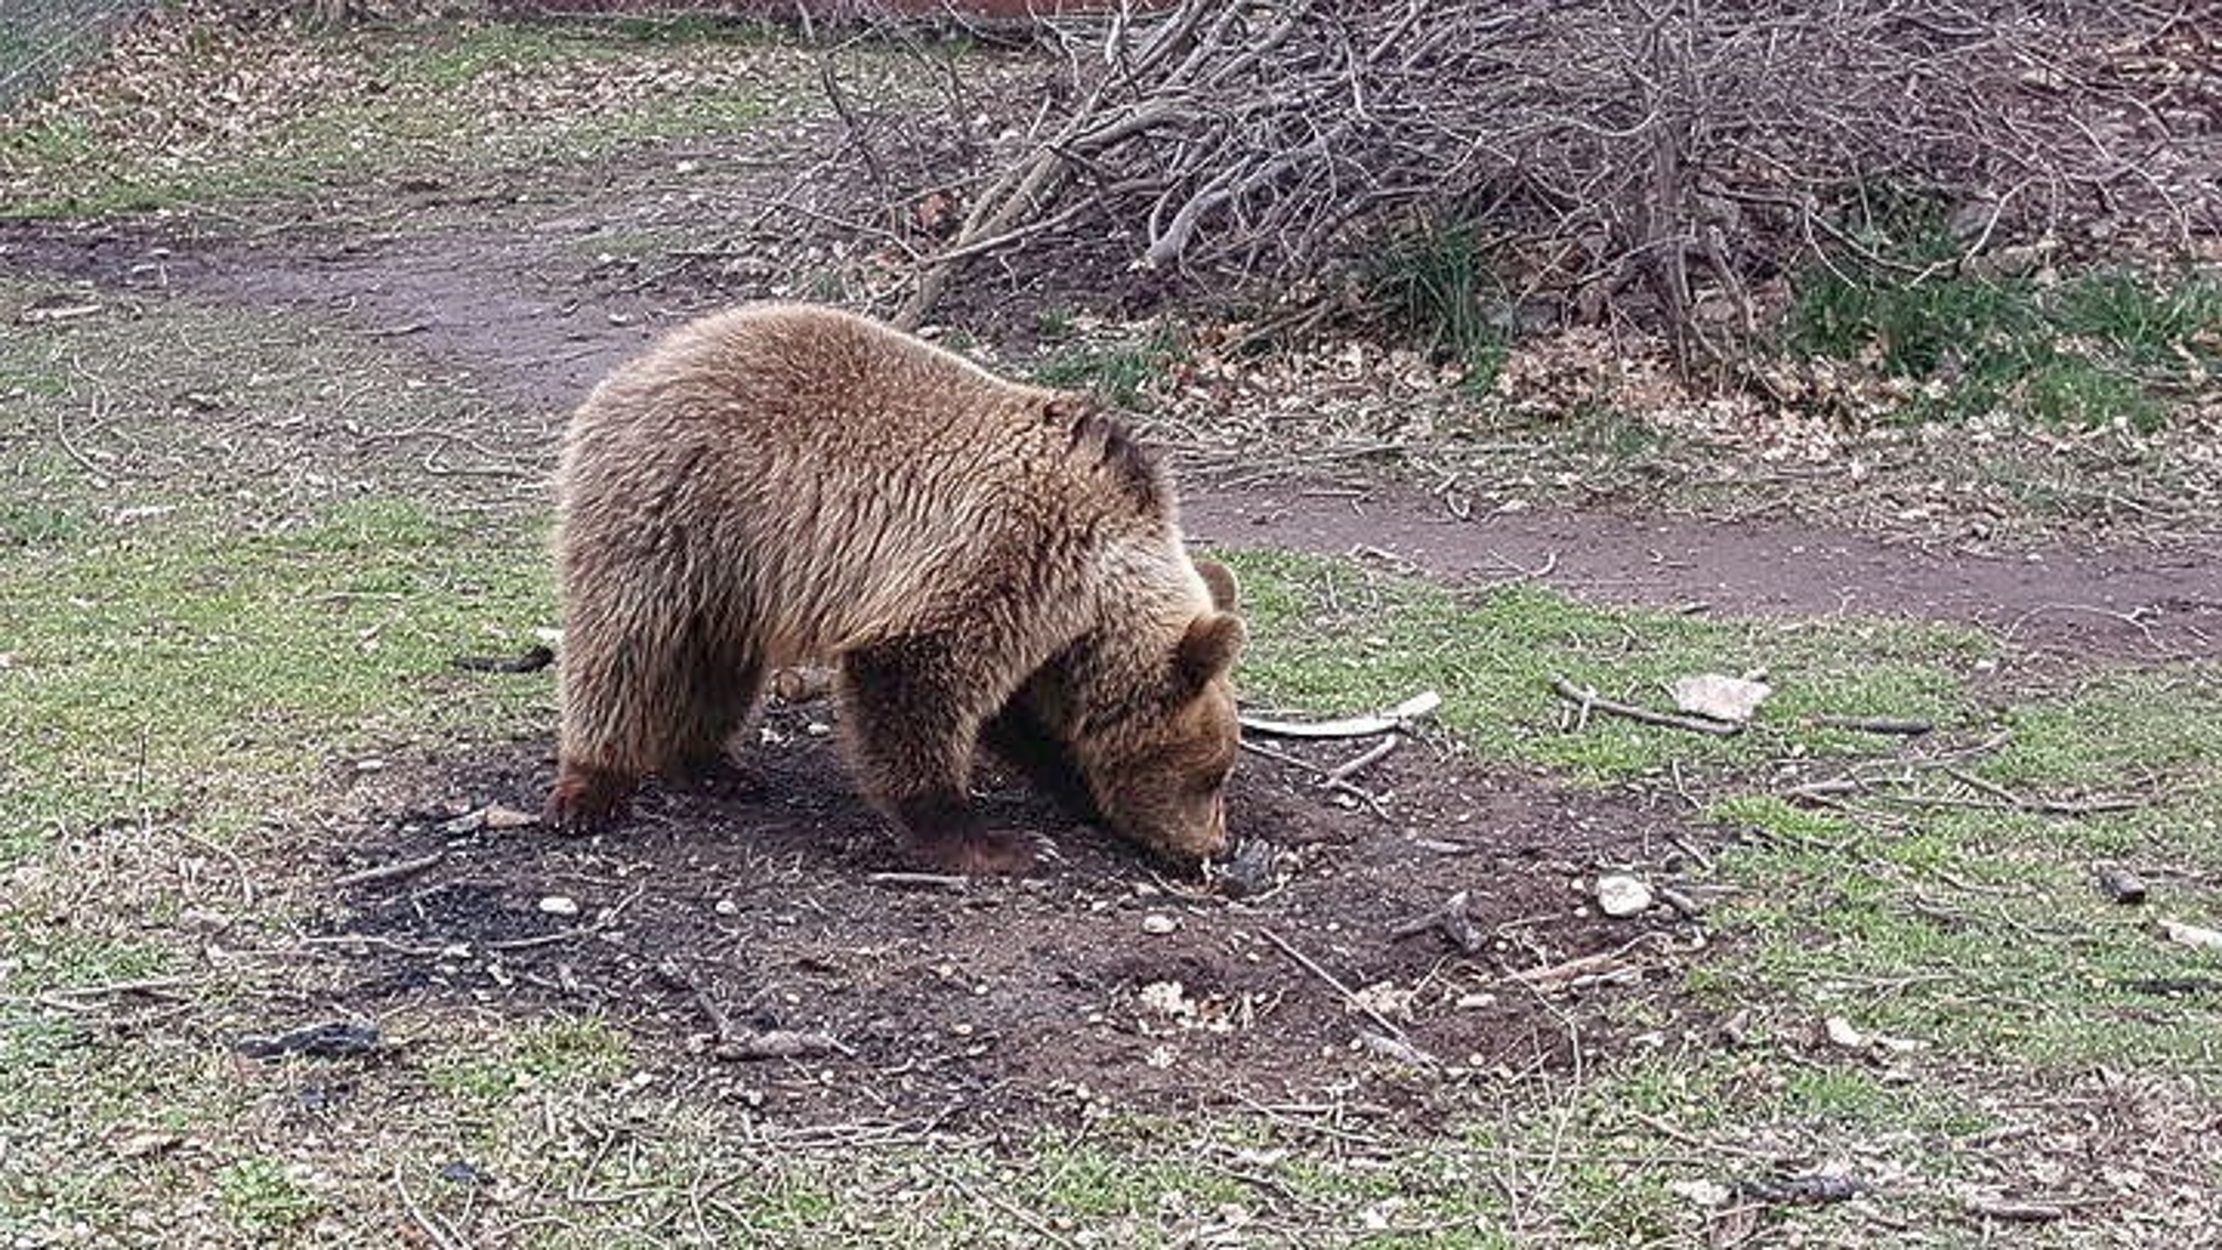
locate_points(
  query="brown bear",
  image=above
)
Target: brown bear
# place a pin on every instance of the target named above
(985, 564)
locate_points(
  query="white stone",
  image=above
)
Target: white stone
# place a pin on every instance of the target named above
(1622, 896)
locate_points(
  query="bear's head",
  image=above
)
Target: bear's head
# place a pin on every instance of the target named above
(1160, 779)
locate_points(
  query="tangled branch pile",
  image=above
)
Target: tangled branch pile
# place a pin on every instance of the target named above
(1647, 158)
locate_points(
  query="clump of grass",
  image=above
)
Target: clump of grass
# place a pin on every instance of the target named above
(263, 1199)
(229, 666)
(1122, 374)
(1439, 286)
(2071, 349)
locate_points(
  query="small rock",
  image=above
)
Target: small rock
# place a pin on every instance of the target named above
(372, 765)
(1622, 896)
(2122, 885)
(1159, 924)
(1844, 1033)
(1395, 1048)
(1249, 871)
(1719, 696)
(499, 817)
(559, 905)
(1702, 1193)
(727, 907)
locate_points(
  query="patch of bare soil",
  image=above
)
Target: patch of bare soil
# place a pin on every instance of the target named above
(711, 927)
(2119, 602)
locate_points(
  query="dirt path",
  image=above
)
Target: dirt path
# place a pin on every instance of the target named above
(535, 314)
(2119, 603)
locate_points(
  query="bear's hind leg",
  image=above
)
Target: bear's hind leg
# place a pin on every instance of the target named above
(912, 726)
(723, 695)
(636, 704)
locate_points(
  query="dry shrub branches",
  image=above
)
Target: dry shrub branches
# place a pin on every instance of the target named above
(1645, 159)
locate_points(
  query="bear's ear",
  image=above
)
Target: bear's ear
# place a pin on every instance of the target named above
(1066, 407)
(1207, 650)
(1221, 580)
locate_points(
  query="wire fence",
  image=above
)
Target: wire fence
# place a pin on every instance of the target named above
(41, 39)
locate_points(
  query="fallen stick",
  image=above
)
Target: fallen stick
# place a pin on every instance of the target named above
(1453, 920)
(1555, 974)
(1327, 782)
(1348, 996)
(531, 660)
(2044, 807)
(1379, 751)
(2016, 1212)
(389, 872)
(1418, 707)
(1587, 699)
(932, 880)
(1900, 726)
(1601, 962)
(778, 1044)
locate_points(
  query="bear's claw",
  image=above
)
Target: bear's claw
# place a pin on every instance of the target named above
(586, 800)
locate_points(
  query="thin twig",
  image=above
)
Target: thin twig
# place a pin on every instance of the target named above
(441, 1235)
(1349, 997)
(1379, 751)
(1587, 699)
(389, 872)
(1876, 724)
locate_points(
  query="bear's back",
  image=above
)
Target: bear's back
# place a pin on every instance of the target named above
(844, 472)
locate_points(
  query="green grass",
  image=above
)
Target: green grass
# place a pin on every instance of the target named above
(1122, 374)
(1331, 636)
(198, 675)
(184, 683)
(2085, 347)
(262, 1200)
(1439, 287)
(1984, 924)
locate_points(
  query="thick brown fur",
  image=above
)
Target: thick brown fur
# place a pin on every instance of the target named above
(985, 563)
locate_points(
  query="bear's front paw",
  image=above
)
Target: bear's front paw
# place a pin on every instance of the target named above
(586, 800)
(979, 854)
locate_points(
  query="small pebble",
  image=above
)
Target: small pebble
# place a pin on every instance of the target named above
(2123, 886)
(499, 817)
(1622, 896)
(1159, 923)
(558, 905)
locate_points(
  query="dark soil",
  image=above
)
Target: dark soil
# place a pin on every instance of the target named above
(1014, 995)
